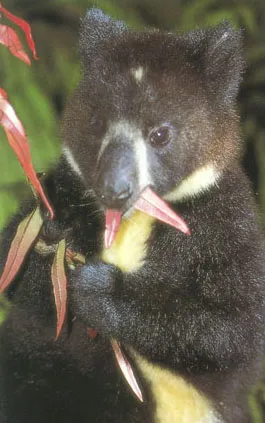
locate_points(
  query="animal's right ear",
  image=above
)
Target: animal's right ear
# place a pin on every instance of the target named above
(223, 62)
(95, 28)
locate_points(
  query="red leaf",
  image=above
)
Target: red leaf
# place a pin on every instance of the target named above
(3, 93)
(9, 38)
(18, 141)
(26, 234)
(126, 369)
(24, 26)
(59, 283)
(112, 224)
(149, 202)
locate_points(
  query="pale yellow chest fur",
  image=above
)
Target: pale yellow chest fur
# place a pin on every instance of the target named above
(129, 248)
(176, 400)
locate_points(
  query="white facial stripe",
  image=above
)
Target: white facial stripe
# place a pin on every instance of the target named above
(199, 181)
(134, 136)
(104, 145)
(71, 160)
(142, 162)
(138, 74)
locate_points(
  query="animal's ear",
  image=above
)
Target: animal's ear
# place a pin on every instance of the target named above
(223, 62)
(95, 28)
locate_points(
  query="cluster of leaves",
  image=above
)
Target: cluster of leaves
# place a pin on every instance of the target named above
(30, 227)
(9, 120)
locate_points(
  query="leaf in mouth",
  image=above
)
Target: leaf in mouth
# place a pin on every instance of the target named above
(150, 203)
(113, 220)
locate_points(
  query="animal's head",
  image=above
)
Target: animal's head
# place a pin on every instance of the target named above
(153, 109)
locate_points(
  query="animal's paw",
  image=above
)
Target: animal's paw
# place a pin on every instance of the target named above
(52, 231)
(95, 290)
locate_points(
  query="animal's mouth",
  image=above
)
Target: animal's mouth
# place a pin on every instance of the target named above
(150, 203)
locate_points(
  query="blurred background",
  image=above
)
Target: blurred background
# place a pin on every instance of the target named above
(39, 92)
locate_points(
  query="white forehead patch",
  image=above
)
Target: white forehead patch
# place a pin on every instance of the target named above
(138, 74)
(200, 180)
(142, 162)
(71, 161)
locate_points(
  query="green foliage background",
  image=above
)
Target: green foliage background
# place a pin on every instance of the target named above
(39, 92)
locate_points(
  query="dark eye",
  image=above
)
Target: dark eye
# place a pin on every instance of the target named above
(160, 137)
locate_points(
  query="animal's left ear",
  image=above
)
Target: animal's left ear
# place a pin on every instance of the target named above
(96, 27)
(224, 63)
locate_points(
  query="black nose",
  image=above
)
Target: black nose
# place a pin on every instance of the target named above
(116, 196)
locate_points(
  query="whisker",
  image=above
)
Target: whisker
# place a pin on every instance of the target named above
(80, 205)
(89, 193)
(96, 212)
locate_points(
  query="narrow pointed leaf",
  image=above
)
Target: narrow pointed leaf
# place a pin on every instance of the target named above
(113, 220)
(18, 140)
(9, 38)
(26, 234)
(24, 26)
(126, 369)
(59, 283)
(152, 204)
